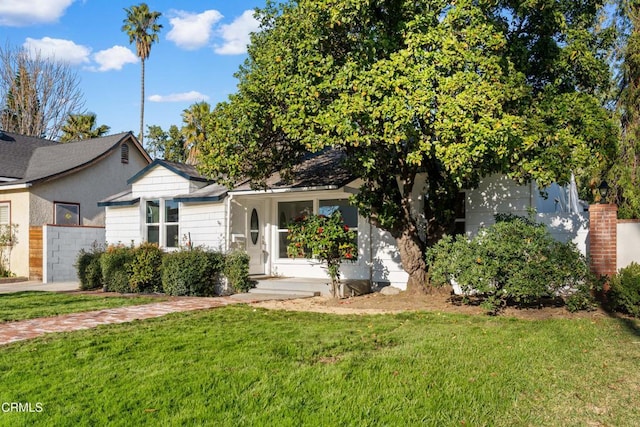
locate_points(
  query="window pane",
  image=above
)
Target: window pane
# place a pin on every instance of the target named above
(4, 213)
(67, 214)
(153, 211)
(172, 236)
(349, 213)
(171, 211)
(283, 242)
(153, 234)
(289, 211)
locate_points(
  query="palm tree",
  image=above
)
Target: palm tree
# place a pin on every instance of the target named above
(197, 120)
(141, 27)
(82, 126)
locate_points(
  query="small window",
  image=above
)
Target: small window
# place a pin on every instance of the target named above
(66, 213)
(254, 227)
(171, 217)
(5, 213)
(124, 153)
(153, 221)
(289, 212)
(162, 222)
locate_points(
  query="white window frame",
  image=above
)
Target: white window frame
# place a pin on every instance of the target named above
(6, 205)
(162, 223)
(315, 210)
(57, 221)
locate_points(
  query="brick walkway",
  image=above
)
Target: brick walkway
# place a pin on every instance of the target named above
(27, 329)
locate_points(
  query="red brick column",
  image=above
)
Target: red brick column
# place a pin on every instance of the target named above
(603, 236)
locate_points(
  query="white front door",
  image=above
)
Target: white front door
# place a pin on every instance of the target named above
(255, 239)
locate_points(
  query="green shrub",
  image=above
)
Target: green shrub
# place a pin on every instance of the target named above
(624, 293)
(145, 268)
(191, 272)
(115, 263)
(89, 269)
(514, 261)
(236, 270)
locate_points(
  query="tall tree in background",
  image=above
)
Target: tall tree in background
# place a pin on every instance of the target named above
(197, 120)
(166, 145)
(36, 93)
(142, 28)
(452, 91)
(82, 126)
(624, 174)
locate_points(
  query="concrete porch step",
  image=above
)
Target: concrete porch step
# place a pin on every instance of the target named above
(291, 285)
(288, 292)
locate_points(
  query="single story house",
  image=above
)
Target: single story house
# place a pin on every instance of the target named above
(43, 182)
(174, 205)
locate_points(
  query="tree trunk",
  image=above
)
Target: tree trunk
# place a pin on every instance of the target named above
(141, 136)
(413, 262)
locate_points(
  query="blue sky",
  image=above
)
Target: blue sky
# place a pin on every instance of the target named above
(202, 44)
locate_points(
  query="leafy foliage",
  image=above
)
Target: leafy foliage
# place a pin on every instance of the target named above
(513, 261)
(8, 238)
(82, 126)
(191, 272)
(146, 268)
(89, 268)
(115, 264)
(236, 270)
(168, 145)
(624, 293)
(325, 238)
(451, 90)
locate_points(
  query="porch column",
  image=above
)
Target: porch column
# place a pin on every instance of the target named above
(603, 236)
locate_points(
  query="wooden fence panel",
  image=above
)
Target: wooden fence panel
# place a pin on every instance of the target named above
(35, 253)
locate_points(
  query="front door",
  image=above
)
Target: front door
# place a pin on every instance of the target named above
(255, 239)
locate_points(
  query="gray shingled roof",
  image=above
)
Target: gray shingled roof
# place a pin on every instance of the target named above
(16, 151)
(50, 160)
(186, 171)
(322, 170)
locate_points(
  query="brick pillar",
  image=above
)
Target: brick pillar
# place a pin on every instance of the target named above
(603, 236)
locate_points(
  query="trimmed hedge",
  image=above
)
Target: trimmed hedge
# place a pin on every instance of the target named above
(89, 269)
(192, 272)
(145, 268)
(236, 270)
(624, 293)
(116, 268)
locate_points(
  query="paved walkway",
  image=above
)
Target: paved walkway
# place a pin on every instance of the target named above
(32, 328)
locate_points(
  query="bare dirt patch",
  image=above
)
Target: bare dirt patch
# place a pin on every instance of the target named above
(439, 300)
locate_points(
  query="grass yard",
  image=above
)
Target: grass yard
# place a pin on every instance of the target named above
(243, 366)
(30, 305)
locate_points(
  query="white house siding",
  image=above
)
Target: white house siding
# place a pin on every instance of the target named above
(386, 266)
(204, 223)
(161, 182)
(495, 194)
(122, 225)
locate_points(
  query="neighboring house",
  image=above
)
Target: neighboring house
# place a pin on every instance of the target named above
(173, 205)
(46, 183)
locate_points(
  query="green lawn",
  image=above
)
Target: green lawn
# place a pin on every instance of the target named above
(243, 366)
(29, 305)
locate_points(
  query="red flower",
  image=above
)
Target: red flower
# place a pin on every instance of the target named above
(348, 255)
(346, 227)
(320, 230)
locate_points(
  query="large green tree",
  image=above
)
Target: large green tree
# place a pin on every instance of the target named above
(168, 145)
(624, 173)
(449, 91)
(82, 126)
(142, 28)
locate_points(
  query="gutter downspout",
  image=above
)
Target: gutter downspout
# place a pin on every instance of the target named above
(227, 230)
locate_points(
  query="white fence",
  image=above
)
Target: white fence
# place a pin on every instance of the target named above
(61, 245)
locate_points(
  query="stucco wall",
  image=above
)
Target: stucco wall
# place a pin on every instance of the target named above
(86, 187)
(628, 249)
(19, 257)
(61, 246)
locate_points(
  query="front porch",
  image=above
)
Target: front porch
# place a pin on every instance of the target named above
(306, 287)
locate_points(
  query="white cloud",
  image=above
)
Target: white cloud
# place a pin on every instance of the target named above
(114, 58)
(179, 97)
(57, 49)
(236, 35)
(19, 13)
(192, 31)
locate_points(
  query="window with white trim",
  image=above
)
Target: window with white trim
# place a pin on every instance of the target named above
(161, 222)
(66, 213)
(290, 211)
